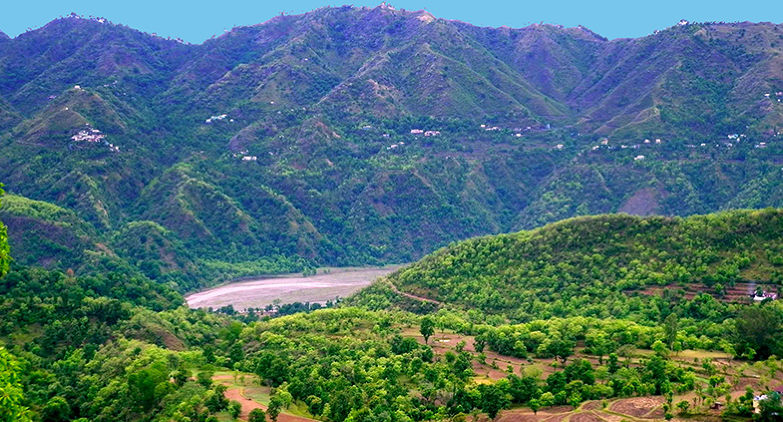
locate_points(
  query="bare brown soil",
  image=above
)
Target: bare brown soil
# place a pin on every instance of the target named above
(248, 405)
(592, 405)
(642, 202)
(585, 417)
(637, 406)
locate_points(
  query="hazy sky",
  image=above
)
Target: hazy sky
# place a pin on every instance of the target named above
(197, 20)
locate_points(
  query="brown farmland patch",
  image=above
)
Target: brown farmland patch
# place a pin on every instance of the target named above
(592, 405)
(637, 406)
(585, 417)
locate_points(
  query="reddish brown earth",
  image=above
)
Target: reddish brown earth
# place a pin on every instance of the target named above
(591, 405)
(585, 417)
(637, 406)
(739, 293)
(248, 405)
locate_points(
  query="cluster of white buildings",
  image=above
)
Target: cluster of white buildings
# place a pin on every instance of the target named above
(517, 130)
(217, 118)
(244, 156)
(778, 96)
(604, 143)
(93, 135)
(764, 296)
(88, 135)
(425, 132)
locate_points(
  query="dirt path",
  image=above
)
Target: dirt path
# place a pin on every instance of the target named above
(412, 296)
(248, 405)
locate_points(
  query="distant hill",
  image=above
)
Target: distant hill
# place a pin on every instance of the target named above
(583, 266)
(351, 136)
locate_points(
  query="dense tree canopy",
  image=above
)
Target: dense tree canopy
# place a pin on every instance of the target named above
(120, 347)
(5, 253)
(11, 395)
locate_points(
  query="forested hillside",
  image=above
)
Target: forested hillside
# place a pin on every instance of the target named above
(603, 266)
(362, 136)
(120, 347)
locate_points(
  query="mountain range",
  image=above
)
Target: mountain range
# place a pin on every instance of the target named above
(368, 135)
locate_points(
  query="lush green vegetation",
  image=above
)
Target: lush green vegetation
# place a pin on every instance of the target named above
(591, 265)
(99, 350)
(121, 347)
(5, 255)
(160, 167)
(332, 174)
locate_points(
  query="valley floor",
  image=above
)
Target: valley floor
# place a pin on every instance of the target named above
(258, 293)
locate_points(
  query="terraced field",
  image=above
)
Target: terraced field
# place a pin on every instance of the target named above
(631, 409)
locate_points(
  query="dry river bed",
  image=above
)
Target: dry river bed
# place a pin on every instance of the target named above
(257, 293)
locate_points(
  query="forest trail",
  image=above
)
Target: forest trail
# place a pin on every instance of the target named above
(414, 297)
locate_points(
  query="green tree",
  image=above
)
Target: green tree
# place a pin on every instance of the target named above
(479, 343)
(660, 349)
(614, 363)
(493, 399)
(427, 328)
(523, 389)
(670, 327)
(534, 405)
(179, 376)
(234, 409)
(217, 401)
(757, 328)
(56, 410)
(276, 404)
(560, 348)
(598, 343)
(257, 415)
(143, 385)
(547, 399)
(5, 252)
(11, 409)
(683, 405)
(204, 378)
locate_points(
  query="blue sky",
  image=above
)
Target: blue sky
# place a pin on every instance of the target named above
(197, 20)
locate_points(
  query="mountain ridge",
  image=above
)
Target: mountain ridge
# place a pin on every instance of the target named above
(349, 136)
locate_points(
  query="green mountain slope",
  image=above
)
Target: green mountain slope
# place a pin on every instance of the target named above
(304, 139)
(585, 266)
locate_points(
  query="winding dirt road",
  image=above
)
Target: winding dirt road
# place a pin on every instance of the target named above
(412, 296)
